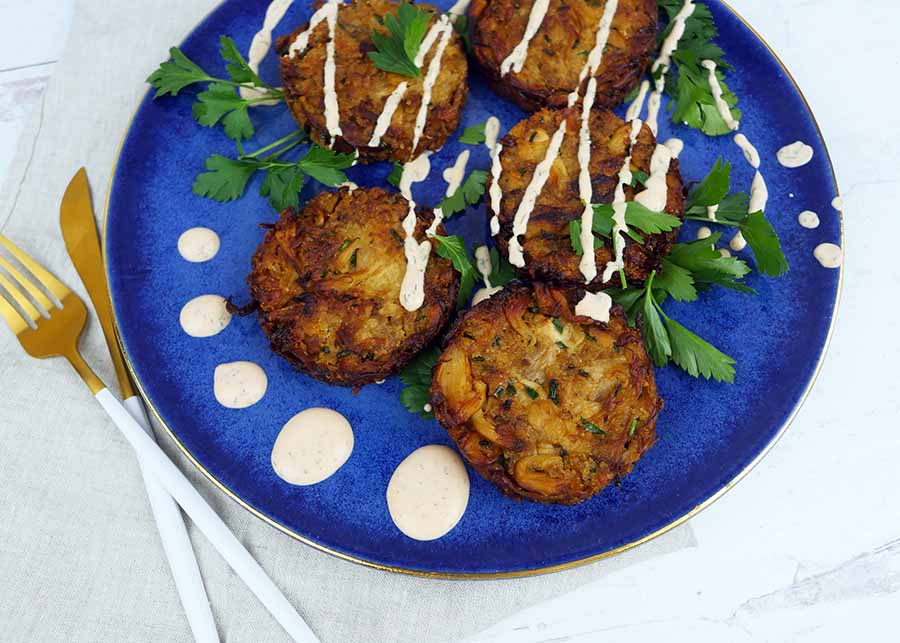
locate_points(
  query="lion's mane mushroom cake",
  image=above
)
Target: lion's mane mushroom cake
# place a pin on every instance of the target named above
(547, 405)
(335, 91)
(327, 284)
(546, 244)
(533, 52)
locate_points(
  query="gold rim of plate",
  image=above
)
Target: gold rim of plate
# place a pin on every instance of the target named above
(524, 572)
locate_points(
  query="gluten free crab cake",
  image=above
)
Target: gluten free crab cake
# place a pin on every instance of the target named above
(560, 48)
(359, 96)
(327, 284)
(547, 405)
(547, 244)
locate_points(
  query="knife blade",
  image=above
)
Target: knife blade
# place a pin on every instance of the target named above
(79, 230)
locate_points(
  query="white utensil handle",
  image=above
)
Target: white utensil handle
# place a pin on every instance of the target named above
(176, 543)
(207, 521)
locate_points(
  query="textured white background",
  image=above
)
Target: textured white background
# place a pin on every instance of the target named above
(807, 548)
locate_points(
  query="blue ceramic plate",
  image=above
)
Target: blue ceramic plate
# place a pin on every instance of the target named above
(709, 434)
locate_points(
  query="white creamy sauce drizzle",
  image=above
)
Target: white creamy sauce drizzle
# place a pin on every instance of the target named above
(453, 175)
(204, 316)
(483, 263)
(724, 252)
(620, 227)
(387, 113)
(662, 63)
(434, 68)
(796, 154)
(532, 191)
(676, 146)
(495, 192)
(759, 194)
(327, 12)
(516, 58)
(837, 203)
(716, 89)
(459, 8)
(656, 191)
(595, 57)
(711, 211)
(738, 242)
(412, 290)
(428, 492)
(198, 244)
(491, 130)
(829, 255)
(808, 219)
(750, 153)
(312, 446)
(588, 263)
(238, 385)
(637, 106)
(595, 305)
(260, 45)
(703, 232)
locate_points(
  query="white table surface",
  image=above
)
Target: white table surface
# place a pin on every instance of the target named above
(807, 547)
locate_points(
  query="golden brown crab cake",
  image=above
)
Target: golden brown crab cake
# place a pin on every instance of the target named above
(547, 405)
(561, 46)
(362, 90)
(547, 243)
(327, 284)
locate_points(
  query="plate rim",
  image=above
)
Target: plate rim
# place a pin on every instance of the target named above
(520, 573)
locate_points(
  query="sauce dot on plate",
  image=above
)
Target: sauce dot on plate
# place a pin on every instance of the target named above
(198, 244)
(796, 154)
(429, 492)
(312, 446)
(808, 219)
(238, 385)
(204, 316)
(829, 255)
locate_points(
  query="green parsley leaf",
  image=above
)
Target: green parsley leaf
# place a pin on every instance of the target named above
(558, 325)
(325, 165)
(238, 69)
(764, 242)
(638, 178)
(633, 427)
(713, 189)
(461, 26)
(707, 266)
(676, 282)
(636, 216)
(469, 193)
(397, 50)
(591, 427)
(502, 272)
(531, 392)
(222, 103)
(416, 377)
(655, 336)
(575, 237)
(697, 356)
(227, 178)
(282, 185)
(454, 249)
(731, 209)
(175, 74)
(473, 135)
(396, 174)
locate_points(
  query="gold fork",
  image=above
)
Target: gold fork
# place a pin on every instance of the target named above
(54, 331)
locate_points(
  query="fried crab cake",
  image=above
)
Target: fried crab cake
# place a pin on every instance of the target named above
(547, 405)
(560, 48)
(327, 284)
(547, 242)
(362, 90)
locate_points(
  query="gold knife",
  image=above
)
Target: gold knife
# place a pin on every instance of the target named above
(79, 229)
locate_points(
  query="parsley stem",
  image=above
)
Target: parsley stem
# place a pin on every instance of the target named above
(268, 147)
(693, 217)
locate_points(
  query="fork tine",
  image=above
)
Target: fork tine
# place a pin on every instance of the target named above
(25, 283)
(13, 318)
(19, 298)
(49, 282)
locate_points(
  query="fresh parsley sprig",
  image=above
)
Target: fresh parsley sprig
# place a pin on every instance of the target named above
(220, 102)
(667, 340)
(469, 193)
(637, 216)
(226, 178)
(473, 135)
(453, 248)
(502, 272)
(692, 101)
(416, 378)
(396, 51)
(733, 212)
